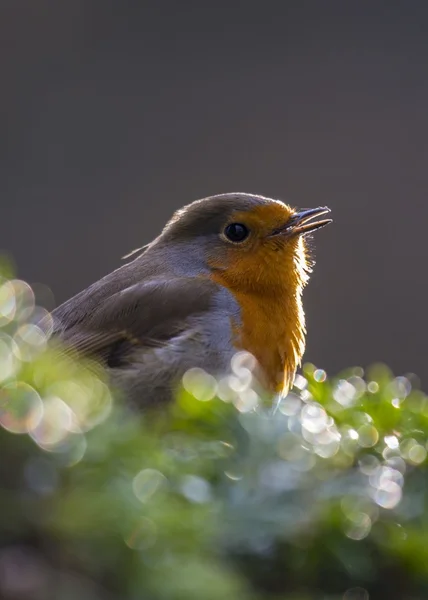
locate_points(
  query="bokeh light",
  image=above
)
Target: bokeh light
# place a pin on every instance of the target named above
(143, 535)
(21, 408)
(146, 483)
(200, 384)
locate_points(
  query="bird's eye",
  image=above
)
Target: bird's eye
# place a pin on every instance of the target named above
(236, 232)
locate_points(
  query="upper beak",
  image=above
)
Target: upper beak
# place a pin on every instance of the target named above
(299, 224)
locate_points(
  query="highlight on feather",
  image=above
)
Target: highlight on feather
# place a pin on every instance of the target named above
(133, 252)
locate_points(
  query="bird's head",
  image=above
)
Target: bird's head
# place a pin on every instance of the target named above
(250, 242)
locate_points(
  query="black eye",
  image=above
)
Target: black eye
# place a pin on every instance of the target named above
(236, 232)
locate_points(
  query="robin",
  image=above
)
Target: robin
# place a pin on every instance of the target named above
(226, 274)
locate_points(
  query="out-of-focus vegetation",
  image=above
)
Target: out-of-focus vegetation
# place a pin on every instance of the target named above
(211, 498)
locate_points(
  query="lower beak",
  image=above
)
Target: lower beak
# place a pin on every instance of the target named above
(302, 222)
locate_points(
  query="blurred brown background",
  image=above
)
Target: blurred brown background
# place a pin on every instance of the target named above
(113, 114)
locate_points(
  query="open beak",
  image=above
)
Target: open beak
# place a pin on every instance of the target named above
(302, 222)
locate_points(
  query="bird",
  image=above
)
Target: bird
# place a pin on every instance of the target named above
(225, 275)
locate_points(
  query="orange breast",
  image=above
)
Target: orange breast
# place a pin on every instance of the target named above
(271, 331)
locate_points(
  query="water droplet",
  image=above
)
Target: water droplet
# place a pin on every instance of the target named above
(314, 418)
(368, 464)
(349, 440)
(7, 303)
(397, 463)
(400, 387)
(359, 385)
(406, 445)
(344, 393)
(21, 408)
(368, 436)
(246, 401)
(24, 299)
(358, 525)
(290, 405)
(242, 362)
(328, 443)
(9, 363)
(70, 450)
(233, 474)
(320, 375)
(391, 441)
(417, 454)
(388, 495)
(196, 489)
(200, 384)
(291, 449)
(384, 474)
(55, 424)
(30, 341)
(146, 483)
(300, 382)
(143, 535)
(306, 396)
(373, 387)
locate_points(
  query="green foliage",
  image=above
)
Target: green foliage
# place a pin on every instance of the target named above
(213, 497)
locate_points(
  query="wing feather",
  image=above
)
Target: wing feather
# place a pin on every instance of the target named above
(144, 315)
